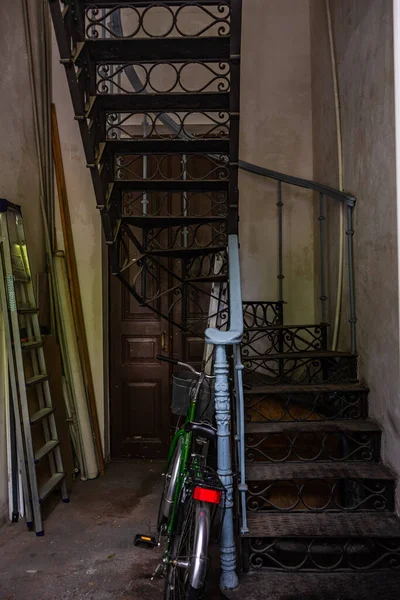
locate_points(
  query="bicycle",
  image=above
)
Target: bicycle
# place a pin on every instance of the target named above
(192, 493)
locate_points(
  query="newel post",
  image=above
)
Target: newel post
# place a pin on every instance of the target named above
(229, 578)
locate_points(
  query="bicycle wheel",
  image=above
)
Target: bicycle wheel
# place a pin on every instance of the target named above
(171, 479)
(187, 569)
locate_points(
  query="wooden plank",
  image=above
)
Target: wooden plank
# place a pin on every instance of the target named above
(74, 284)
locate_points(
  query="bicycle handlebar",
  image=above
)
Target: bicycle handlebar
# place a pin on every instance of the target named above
(174, 361)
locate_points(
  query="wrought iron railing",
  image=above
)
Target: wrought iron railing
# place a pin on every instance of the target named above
(348, 201)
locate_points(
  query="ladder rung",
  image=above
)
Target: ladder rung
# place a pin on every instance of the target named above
(46, 449)
(31, 345)
(27, 310)
(21, 279)
(36, 380)
(40, 415)
(50, 485)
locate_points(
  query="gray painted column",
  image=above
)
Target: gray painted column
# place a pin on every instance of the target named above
(229, 578)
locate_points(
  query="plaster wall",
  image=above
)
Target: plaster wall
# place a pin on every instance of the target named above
(19, 180)
(276, 132)
(86, 228)
(363, 36)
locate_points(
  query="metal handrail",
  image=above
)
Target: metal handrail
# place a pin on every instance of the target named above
(347, 199)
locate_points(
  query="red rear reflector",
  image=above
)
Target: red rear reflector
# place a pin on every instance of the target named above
(206, 495)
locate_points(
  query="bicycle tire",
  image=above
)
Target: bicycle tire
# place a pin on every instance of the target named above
(189, 544)
(168, 495)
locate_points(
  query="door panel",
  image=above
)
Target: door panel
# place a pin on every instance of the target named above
(140, 385)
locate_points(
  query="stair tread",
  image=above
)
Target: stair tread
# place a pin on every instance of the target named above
(312, 426)
(263, 471)
(306, 388)
(50, 485)
(340, 524)
(167, 102)
(41, 414)
(46, 449)
(305, 354)
(169, 48)
(270, 585)
(185, 251)
(169, 221)
(271, 327)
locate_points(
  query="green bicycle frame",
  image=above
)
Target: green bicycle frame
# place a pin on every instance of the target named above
(184, 458)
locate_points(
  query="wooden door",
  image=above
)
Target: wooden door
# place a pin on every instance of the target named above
(139, 384)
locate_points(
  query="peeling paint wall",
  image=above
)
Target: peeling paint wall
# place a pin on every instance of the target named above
(363, 34)
(19, 180)
(276, 133)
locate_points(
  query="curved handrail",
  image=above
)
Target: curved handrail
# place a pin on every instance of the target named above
(346, 199)
(235, 332)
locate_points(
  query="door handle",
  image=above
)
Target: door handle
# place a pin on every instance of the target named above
(164, 343)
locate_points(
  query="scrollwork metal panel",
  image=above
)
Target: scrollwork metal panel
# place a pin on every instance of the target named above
(262, 314)
(305, 407)
(167, 125)
(277, 340)
(186, 237)
(172, 167)
(324, 555)
(318, 495)
(271, 370)
(159, 20)
(312, 446)
(166, 204)
(164, 77)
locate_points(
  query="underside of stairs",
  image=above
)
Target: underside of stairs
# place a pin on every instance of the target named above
(320, 503)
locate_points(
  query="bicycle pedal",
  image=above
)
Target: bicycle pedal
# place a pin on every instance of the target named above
(145, 541)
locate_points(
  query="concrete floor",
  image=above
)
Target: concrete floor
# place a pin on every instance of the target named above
(87, 552)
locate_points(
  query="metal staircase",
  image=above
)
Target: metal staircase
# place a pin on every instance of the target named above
(155, 90)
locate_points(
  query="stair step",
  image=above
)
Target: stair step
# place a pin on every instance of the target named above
(31, 381)
(323, 525)
(296, 524)
(164, 146)
(161, 222)
(151, 49)
(50, 485)
(31, 345)
(305, 388)
(46, 449)
(310, 354)
(166, 102)
(312, 426)
(283, 327)
(41, 414)
(286, 471)
(270, 585)
(186, 252)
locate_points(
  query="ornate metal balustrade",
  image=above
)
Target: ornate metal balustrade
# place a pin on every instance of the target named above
(300, 368)
(325, 195)
(159, 20)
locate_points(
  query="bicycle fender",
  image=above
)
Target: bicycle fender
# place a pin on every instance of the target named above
(199, 559)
